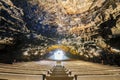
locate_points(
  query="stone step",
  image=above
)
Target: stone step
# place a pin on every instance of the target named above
(59, 78)
(59, 73)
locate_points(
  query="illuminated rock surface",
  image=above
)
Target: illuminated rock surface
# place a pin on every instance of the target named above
(90, 28)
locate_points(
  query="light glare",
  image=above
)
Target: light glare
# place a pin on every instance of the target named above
(58, 55)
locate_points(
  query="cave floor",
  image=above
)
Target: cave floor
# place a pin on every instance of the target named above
(34, 70)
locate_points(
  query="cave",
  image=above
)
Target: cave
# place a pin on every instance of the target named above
(60, 30)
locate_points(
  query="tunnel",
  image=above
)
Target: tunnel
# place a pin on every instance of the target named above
(59, 39)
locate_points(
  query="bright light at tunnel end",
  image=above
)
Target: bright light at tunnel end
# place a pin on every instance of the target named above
(58, 55)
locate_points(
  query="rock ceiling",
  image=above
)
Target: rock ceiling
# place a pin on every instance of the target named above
(79, 6)
(80, 13)
(82, 24)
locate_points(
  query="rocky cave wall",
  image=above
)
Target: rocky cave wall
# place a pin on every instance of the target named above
(90, 26)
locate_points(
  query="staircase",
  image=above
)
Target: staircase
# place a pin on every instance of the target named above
(59, 73)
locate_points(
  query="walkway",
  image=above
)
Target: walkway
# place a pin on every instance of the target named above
(59, 73)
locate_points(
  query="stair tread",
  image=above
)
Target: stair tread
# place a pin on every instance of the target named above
(59, 73)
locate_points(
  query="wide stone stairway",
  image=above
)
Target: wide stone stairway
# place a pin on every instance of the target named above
(59, 73)
(52, 70)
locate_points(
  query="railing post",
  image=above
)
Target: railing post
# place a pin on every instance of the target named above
(44, 76)
(70, 72)
(48, 72)
(75, 77)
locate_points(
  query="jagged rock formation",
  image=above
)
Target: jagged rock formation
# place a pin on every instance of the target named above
(94, 21)
(18, 30)
(11, 22)
(12, 29)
